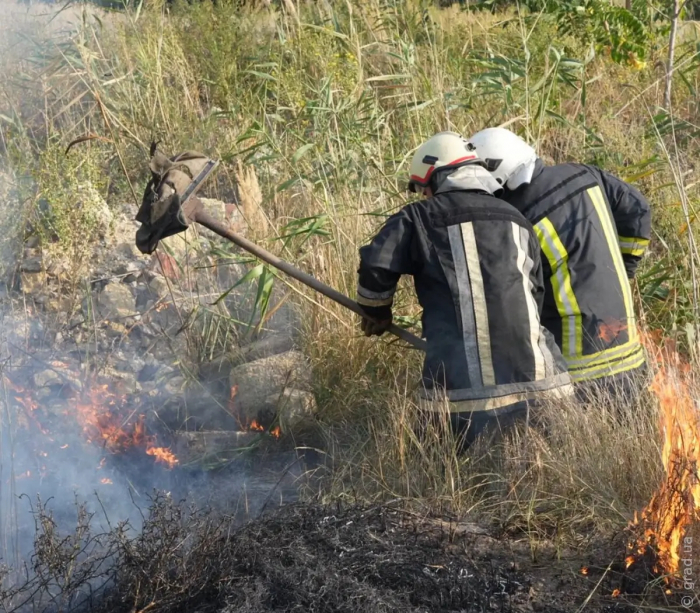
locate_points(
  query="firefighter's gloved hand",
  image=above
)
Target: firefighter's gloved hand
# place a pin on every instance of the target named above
(375, 320)
(375, 328)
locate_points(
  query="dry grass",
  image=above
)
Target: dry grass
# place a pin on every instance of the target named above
(327, 109)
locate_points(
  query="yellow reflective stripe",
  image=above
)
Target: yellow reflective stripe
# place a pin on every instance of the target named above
(567, 305)
(630, 363)
(601, 357)
(643, 242)
(633, 245)
(611, 236)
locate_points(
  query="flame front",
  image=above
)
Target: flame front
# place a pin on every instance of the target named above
(103, 418)
(98, 416)
(163, 455)
(676, 503)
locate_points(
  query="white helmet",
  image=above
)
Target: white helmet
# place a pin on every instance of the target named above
(507, 156)
(445, 149)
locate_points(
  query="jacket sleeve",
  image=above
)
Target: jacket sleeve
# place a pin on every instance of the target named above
(382, 262)
(537, 273)
(632, 214)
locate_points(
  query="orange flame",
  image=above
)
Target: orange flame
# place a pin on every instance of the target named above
(102, 416)
(584, 570)
(163, 455)
(106, 481)
(98, 416)
(609, 330)
(276, 432)
(615, 593)
(255, 426)
(676, 503)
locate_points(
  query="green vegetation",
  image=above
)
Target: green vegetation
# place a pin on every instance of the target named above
(326, 102)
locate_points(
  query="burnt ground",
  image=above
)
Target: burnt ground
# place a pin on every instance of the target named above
(322, 559)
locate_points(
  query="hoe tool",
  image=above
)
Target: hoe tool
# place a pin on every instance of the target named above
(169, 206)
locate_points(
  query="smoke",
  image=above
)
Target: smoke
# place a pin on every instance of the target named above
(45, 452)
(91, 397)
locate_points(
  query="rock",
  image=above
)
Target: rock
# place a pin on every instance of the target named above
(176, 246)
(174, 385)
(210, 445)
(47, 378)
(254, 382)
(32, 282)
(159, 287)
(128, 363)
(129, 266)
(268, 346)
(116, 301)
(33, 261)
(215, 370)
(294, 408)
(225, 212)
(129, 251)
(60, 304)
(148, 372)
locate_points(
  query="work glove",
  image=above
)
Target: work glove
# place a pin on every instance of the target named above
(376, 320)
(161, 212)
(372, 328)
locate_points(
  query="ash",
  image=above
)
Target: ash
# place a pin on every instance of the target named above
(303, 557)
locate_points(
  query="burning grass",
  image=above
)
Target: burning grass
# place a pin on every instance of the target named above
(106, 418)
(665, 525)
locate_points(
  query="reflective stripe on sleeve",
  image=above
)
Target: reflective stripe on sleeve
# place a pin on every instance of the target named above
(369, 298)
(632, 245)
(567, 305)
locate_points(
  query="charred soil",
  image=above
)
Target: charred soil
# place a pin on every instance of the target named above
(321, 559)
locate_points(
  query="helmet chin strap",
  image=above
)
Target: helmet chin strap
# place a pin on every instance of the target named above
(522, 175)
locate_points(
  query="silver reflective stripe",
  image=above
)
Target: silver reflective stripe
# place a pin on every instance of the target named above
(497, 391)
(628, 245)
(525, 264)
(483, 335)
(466, 307)
(366, 293)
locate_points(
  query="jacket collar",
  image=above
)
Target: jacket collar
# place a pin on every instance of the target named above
(473, 177)
(512, 195)
(539, 167)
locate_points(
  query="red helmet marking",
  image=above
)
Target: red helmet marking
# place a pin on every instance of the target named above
(425, 179)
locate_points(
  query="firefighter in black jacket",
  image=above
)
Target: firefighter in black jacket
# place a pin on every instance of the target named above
(476, 267)
(593, 229)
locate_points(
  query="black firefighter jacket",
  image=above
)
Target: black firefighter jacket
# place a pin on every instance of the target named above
(593, 229)
(476, 267)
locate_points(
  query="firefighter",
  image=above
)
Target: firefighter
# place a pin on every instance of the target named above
(592, 229)
(476, 267)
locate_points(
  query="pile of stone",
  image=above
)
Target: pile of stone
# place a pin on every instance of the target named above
(162, 329)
